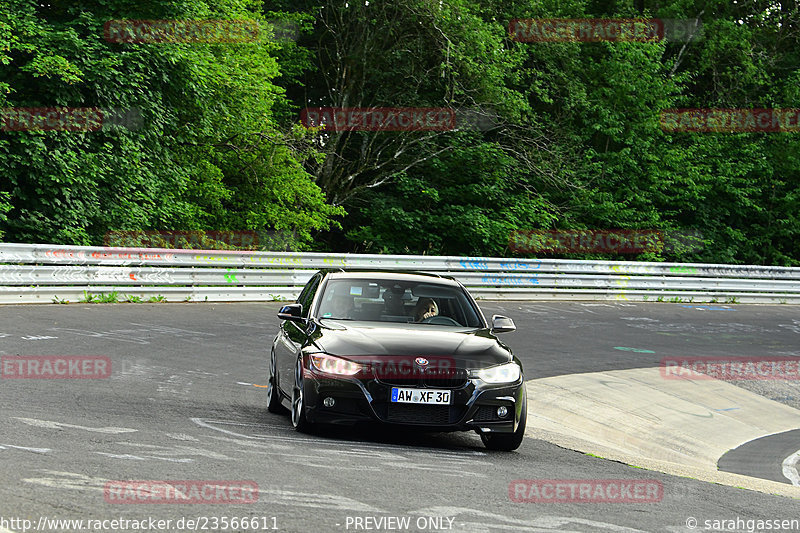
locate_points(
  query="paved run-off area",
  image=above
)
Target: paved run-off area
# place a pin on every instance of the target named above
(680, 427)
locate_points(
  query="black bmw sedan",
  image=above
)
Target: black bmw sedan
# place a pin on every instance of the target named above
(406, 349)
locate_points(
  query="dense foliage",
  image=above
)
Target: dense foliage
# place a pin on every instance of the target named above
(210, 152)
(567, 134)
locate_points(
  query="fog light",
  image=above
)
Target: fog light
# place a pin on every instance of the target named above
(328, 402)
(502, 411)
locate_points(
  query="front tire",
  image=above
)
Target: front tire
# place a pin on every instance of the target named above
(299, 420)
(273, 394)
(507, 442)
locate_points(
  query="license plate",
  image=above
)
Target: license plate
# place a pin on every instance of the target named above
(426, 396)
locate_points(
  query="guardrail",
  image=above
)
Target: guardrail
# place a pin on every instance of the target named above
(40, 273)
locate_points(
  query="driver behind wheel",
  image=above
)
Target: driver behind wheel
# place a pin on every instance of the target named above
(425, 308)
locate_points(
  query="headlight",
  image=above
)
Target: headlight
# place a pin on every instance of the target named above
(507, 373)
(334, 365)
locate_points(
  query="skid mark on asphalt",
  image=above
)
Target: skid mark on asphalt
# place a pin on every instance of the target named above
(211, 424)
(711, 329)
(141, 335)
(67, 480)
(174, 454)
(794, 326)
(72, 481)
(142, 457)
(583, 323)
(332, 454)
(553, 311)
(314, 461)
(175, 384)
(61, 425)
(200, 373)
(178, 450)
(207, 424)
(257, 325)
(181, 436)
(5, 446)
(387, 458)
(315, 500)
(123, 335)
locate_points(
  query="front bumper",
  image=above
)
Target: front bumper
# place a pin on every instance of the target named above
(473, 406)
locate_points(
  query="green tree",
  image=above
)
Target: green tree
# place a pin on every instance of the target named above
(209, 152)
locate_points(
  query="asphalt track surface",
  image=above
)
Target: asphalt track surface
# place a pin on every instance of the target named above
(185, 401)
(762, 457)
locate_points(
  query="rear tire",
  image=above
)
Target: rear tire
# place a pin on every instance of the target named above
(273, 394)
(507, 442)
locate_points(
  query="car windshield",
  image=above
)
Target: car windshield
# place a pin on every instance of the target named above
(398, 301)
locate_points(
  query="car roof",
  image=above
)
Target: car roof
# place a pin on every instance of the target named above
(391, 275)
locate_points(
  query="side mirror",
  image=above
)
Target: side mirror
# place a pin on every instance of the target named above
(502, 324)
(293, 312)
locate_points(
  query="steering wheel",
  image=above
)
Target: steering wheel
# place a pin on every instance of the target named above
(439, 320)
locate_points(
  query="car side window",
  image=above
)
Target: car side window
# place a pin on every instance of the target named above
(307, 296)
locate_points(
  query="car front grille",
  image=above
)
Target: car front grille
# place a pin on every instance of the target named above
(401, 382)
(445, 383)
(409, 413)
(448, 380)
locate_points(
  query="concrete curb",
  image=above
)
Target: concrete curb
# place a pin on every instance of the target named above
(676, 426)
